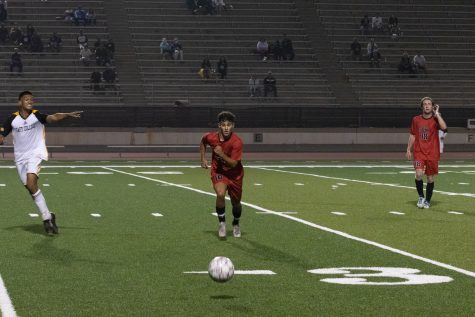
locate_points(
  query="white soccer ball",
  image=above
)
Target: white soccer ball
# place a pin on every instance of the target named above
(221, 269)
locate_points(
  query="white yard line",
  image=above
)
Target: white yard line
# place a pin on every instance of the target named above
(239, 272)
(6, 306)
(362, 182)
(313, 225)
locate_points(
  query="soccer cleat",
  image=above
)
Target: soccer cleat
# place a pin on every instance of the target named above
(420, 202)
(53, 223)
(426, 204)
(236, 231)
(222, 230)
(48, 227)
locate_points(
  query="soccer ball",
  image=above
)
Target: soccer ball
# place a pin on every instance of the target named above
(221, 269)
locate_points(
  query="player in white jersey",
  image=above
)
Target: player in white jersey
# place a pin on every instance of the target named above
(28, 130)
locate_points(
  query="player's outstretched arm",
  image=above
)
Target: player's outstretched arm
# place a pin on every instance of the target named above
(61, 116)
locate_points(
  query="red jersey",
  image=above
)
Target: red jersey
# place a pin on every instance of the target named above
(426, 144)
(232, 147)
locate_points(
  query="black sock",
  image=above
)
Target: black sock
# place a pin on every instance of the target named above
(237, 210)
(220, 211)
(420, 187)
(429, 189)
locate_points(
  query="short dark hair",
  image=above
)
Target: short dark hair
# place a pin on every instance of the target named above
(26, 92)
(226, 116)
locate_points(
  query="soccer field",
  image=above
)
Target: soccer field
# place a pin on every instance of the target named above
(318, 239)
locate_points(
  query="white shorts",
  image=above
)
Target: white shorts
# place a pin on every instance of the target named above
(30, 166)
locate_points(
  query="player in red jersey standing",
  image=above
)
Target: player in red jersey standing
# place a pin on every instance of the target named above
(424, 140)
(226, 169)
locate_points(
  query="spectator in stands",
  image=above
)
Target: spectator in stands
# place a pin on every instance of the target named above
(79, 16)
(3, 10)
(110, 46)
(102, 55)
(25, 42)
(288, 52)
(419, 62)
(82, 39)
(205, 7)
(109, 76)
(374, 56)
(177, 49)
(192, 6)
(96, 80)
(205, 69)
(55, 43)
(36, 43)
(222, 67)
(270, 84)
(365, 25)
(356, 50)
(30, 30)
(218, 6)
(85, 54)
(395, 32)
(3, 34)
(254, 86)
(90, 17)
(68, 16)
(262, 48)
(16, 65)
(166, 49)
(377, 24)
(405, 64)
(276, 50)
(392, 21)
(16, 34)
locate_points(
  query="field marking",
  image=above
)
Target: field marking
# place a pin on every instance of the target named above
(6, 306)
(88, 185)
(89, 173)
(3, 185)
(455, 212)
(161, 173)
(314, 225)
(239, 272)
(157, 214)
(33, 215)
(96, 215)
(362, 181)
(338, 213)
(131, 185)
(398, 213)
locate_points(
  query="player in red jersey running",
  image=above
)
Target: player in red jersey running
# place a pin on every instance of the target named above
(226, 169)
(424, 140)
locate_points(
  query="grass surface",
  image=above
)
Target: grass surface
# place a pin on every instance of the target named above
(130, 263)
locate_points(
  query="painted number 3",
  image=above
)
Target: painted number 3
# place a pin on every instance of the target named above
(379, 276)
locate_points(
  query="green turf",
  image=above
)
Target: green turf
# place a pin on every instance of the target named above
(129, 263)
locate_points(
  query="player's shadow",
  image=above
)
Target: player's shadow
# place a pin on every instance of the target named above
(36, 229)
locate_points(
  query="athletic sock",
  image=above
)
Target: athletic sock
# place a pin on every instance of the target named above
(420, 187)
(41, 203)
(237, 210)
(220, 211)
(429, 189)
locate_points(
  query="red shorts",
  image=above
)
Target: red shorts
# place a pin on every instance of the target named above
(234, 185)
(430, 167)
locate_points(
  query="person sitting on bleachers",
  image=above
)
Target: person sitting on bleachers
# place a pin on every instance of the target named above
(36, 43)
(405, 64)
(205, 7)
(276, 51)
(356, 50)
(365, 25)
(90, 17)
(3, 34)
(392, 21)
(102, 55)
(85, 54)
(55, 43)
(177, 49)
(205, 70)
(270, 84)
(166, 49)
(16, 65)
(192, 6)
(16, 34)
(374, 56)
(110, 46)
(25, 42)
(68, 16)
(262, 48)
(419, 62)
(79, 16)
(3, 10)
(377, 23)
(109, 76)
(222, 67)
(96, 80)
(288, 52)
(254, 87)
(218, 6)
(82, 39)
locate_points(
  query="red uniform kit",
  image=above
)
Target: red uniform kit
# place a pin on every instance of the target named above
(220, 172)
(426, 144)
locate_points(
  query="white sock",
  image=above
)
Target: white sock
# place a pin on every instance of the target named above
(41, 203)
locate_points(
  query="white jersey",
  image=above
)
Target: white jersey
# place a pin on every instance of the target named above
(28, 135)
